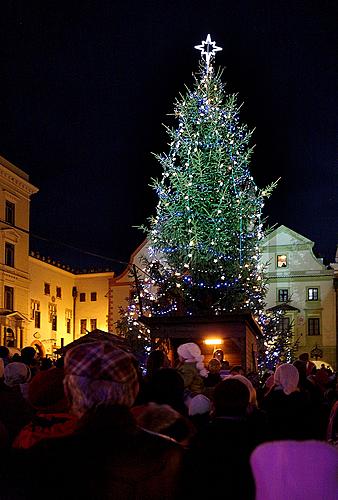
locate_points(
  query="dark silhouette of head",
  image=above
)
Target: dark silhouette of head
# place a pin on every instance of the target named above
(231, 398)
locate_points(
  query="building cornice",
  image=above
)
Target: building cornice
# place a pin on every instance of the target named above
(24, 187)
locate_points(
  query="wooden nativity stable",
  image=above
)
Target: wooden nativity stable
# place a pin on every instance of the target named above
(236, 334)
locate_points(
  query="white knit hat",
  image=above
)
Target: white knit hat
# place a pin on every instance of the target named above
(191, 353)
(287, 377)
(199, 405)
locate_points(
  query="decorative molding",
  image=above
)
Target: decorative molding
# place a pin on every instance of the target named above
(20, 184)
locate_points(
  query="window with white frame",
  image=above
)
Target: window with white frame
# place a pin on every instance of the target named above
(312, 294)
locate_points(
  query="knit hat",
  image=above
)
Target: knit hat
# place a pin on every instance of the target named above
(287, 377)
(46, 392)
(191, 353)
(199, 405)
(283, 469)
(252, 390)
(100, 373)
(16, 373)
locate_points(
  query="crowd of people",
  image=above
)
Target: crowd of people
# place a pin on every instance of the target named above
(92, 426)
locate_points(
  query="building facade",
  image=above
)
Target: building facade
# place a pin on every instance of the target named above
(299, 280)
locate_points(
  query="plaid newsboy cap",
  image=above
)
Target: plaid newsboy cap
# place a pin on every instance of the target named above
(101, 360)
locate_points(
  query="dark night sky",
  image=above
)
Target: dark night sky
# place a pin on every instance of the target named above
(85, 86)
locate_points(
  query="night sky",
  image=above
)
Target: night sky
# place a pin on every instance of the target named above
(86, 85)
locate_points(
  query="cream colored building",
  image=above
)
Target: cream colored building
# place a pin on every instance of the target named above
(64, 305)
(296, 275)
(42, 303)
(15, 193)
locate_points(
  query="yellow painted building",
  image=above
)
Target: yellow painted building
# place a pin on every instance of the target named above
(15, 193)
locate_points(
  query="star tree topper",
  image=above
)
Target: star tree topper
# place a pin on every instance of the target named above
(208, 49)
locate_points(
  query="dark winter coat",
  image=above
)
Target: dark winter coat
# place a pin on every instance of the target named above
(108, 457)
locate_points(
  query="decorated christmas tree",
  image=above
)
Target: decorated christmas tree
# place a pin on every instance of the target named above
(208, 223)
(204, 256)
(278, 344)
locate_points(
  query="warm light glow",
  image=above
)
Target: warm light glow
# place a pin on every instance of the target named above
(213, 341)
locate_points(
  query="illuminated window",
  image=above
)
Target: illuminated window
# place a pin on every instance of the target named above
(51, 311)
(10, 213)
(93, 296)
(313, 326)
(37, 319)
(47, 288)
(82, 297)
(9, 254)
(282, 261)
(58, 292)
(54, 323)
(312, 294)
(35, 306)
(93, 323)
(9, 298)
(283, 295)
(83, 326)
(68, 325)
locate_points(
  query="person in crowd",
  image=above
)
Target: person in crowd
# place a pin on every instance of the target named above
(166, 387)
(29, 357)
(5, 354)
(156, 360)
(225, 365)
(237, 370)
(192, 369)
(213, 377)
(18, 375)
(163, 419)
(289, 411)
(199, 411)
(46, 395)
(310, 366)
(219, 453)
(108, 455)
(295, 470)
(15, 411)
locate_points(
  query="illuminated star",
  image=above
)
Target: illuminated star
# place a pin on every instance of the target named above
(208, 49)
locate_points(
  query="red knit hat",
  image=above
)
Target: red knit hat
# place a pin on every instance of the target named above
(45, 391)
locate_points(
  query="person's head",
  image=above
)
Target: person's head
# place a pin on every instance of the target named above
(231, 398)
(4, 352)
(99, 374)
(167, 387)
(218, 354)
(301, 367)
(157, 360)
(237, 370)
(28, 355)
(46, 392)
(287, 377)
(214, 365)
(304, 357)
(252, 390)
(191, 353)
(199, 405)
(16, 374)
